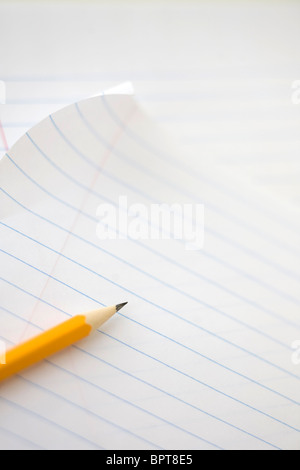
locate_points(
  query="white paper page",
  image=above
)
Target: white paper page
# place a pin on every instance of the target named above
(202, 356)
(224, 87)
(232, 96)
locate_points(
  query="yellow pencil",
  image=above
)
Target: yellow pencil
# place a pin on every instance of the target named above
(54, 340)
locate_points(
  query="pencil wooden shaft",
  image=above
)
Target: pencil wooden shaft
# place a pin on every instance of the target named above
(44, 345)
(52, 341)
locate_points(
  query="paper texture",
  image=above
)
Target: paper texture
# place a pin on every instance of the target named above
(202, 358)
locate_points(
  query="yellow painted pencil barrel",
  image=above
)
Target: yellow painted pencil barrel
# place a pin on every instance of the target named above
(54, 340)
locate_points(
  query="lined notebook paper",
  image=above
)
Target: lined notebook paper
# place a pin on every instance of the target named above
(202, 358)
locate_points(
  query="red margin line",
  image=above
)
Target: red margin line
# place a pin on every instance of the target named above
(3, 137)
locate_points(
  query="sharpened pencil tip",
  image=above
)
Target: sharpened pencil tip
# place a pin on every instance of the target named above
(118, 307)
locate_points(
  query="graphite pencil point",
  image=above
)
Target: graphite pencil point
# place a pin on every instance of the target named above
(118, 307)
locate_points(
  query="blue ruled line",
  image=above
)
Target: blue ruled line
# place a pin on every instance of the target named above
(155, 359)
(129, 319)
(250, 302)
(142, 381)
(160, 307)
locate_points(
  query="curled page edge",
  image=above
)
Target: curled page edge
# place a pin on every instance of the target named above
(124, 88)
